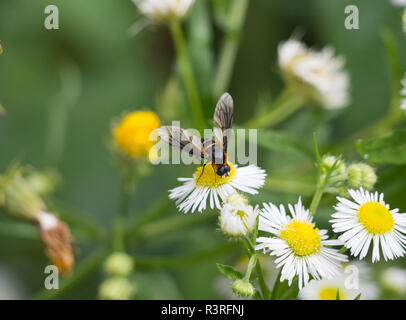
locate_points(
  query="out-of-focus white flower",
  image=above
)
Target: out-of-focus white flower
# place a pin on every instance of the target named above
(349, 282)
(319, 72)
(368, 221)
(403, 92)
(301, 249)
(161, 10)
(206, 185)
(394, 279)
(237, 217)
(399, 3)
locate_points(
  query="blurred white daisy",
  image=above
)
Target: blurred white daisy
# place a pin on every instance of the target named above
(399, 3)
(368, 220)
(301, 248)
(320, 72)
(206, 185)
(403, 93)
(349, 283)
(164, 9)
(394, 279)
(237, 217)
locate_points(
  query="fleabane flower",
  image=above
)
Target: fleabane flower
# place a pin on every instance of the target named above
(237, 217)
(301, 249)
(399, 3)
(403, 92)
(368, 220)
(206, 186)
(319, 73)
(161, 10)
(349, 283)
(133, 134)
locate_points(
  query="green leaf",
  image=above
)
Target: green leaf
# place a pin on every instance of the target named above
(338, 294)
(387, 149)
(229, 272)
(358, 297)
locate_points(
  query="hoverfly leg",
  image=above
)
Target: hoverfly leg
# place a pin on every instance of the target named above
(204, 166)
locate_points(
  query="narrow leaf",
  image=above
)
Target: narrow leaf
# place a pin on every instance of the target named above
(229, 272)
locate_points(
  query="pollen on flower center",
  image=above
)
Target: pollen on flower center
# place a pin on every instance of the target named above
(207, 176)
(330, 293)
(375, 217)
(302, 237)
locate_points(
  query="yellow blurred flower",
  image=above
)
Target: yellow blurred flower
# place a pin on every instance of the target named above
(132, 135)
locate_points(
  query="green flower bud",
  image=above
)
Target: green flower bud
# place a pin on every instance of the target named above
(337, 176)
(119, 264)
(243, 288)
(361, 175)
(18, 197)
(116, 288)
(43, 183)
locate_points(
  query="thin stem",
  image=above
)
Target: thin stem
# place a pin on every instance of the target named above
(276, 285)
(288, 102)
(230, 46)
(316, 198)
(126, 189)
(258, 269)
(187, 74)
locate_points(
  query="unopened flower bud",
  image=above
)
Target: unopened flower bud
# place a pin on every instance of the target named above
(237, 217)
(119, 264)
(18, 197)
(163, 10)
(336, 169)
(43, 183)
(56, 237)
(243, 288)
(116, 288)
(361, 175)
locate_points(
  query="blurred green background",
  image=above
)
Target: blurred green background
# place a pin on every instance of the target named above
(106, 72)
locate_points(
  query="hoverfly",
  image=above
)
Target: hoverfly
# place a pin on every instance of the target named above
(209, 150)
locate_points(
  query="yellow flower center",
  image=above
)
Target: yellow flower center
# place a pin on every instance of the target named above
(330, 293)
(132, 135)
(207, 176)
(375, 217)
(302, 237)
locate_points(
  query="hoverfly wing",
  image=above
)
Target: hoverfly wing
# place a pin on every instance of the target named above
(182, 139)
(223, 119)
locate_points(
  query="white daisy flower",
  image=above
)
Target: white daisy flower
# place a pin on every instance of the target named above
(349, 283)
(206, 185)
(237, 217)
(301, 248)
(394, 279)
(403, 93)
(368, 220)
(319, 71)
(164, 9)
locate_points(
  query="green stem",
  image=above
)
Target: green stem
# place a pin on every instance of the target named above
(126, 190)
(288, 102)
(276, 286)
(316, 198)
(258, 269)
(230, 46)
(187, 74)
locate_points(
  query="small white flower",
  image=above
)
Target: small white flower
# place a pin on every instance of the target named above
(164, 9)
(399, 3)
(368, 220)
(394, 279)
(326, 289)
(206, 185)
(237, 217)
(301, 248)
(319, 71)
(403, 93)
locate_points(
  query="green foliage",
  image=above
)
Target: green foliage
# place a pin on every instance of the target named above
(387, 149)
(229, 272)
